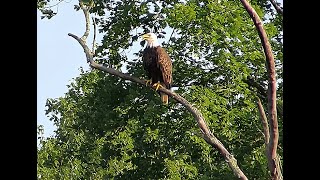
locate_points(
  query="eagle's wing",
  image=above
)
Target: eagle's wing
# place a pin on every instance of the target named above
(165, 65)
(147, 60)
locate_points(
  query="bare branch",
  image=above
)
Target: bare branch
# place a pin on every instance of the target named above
(266, 132)
(279, 167)
(264, 121)
(207, 135)
(94, 36)
(262, 93)
(84, 46)
(86, 15)
(278, 8)
(272, 110)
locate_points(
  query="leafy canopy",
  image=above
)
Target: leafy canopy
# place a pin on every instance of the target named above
(109, 128)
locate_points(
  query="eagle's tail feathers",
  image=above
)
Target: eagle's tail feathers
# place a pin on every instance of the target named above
(164, 98)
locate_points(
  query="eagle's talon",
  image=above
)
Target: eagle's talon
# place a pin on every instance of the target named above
(158, 85)
(148, 82)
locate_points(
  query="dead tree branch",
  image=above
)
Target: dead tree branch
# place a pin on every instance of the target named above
(277, 7)
(262, 93)
(265, 125)
(207, 135)
(94, 36)
(272, 110)
(85, 10)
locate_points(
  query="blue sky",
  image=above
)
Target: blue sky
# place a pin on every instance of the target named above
(59, 56)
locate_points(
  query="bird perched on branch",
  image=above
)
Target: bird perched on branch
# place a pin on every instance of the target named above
(157, 65)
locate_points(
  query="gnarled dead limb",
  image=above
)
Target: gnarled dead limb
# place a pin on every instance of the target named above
(272, 109)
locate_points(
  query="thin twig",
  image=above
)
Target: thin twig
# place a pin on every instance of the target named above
(57, 4)
(171, 35)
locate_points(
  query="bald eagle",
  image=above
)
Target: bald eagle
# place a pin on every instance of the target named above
(157, 64)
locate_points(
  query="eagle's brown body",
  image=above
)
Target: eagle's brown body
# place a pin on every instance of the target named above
(158, 67)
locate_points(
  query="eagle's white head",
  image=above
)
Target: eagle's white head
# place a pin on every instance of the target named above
(152, 40)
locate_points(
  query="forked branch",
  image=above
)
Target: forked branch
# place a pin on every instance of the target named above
(272, 109)
(207, 135)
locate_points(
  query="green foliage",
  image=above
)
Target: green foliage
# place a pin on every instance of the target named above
(109, 128)
(45, 9)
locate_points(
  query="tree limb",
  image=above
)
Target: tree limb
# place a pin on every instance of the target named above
(272, 110)
(262, 93)
(207, 135)
(278, 8)
(94, 36)
(265, 125)
(86, 15)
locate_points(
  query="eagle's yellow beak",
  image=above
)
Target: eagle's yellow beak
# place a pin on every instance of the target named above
(145, 36)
